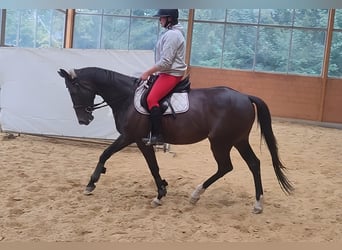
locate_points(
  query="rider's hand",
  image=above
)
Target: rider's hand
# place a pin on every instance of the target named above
(144, 76)
(149, 72)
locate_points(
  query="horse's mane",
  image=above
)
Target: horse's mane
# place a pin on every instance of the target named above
(103, 75)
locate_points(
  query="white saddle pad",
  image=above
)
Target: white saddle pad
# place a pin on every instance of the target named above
(179, 102)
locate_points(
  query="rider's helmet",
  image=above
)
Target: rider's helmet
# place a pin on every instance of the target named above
(172, 13)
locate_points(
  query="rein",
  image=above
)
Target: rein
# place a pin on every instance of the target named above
(96, 106)
(93, 107)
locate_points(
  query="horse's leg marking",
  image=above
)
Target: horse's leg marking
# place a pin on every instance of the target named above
(195, 196)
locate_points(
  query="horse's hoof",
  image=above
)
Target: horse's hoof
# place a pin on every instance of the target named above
(193, 200)
(88, 190)
(258, 206)
(156, 202)
(257, 210)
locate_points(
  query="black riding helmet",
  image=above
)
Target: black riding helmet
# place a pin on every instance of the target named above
(173, 13)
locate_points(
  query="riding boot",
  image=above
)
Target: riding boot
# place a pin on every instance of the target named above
(155, 137)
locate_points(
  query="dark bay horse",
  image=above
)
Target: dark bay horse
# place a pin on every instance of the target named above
(221, 114)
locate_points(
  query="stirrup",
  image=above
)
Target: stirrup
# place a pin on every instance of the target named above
(153, 140)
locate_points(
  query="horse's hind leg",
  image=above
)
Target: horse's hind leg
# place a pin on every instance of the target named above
(224, 165)
(253, 163)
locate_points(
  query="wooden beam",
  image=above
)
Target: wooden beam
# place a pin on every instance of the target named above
(325, 68)
(69, 28)
(2, 27)
(189, 37)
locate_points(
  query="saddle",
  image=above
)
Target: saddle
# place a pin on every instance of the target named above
(175, 102)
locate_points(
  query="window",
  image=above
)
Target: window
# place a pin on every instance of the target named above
(307, 52)
(271, 40)
(272, 50)
(207, 44)
(115, 32)
(34, 28)
(239, 47)
(290, 41)
(87, 31)
(119, 29)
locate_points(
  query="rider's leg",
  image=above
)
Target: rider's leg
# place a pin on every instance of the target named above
(163, 85)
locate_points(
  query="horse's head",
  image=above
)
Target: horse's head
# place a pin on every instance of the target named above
(82, 96)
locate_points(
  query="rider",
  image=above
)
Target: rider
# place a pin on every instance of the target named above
(169, 65)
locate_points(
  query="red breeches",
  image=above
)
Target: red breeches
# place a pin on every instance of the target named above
(163, 85)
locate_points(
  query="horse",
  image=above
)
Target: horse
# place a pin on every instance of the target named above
(220, 114)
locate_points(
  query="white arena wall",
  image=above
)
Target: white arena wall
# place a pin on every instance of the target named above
(34, 99)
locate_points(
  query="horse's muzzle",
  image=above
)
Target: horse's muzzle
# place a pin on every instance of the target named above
(86, 120)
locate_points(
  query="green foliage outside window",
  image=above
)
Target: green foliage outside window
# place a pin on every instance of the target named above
(239, 47)
(284, 41)
(134, 29)
(35, 28)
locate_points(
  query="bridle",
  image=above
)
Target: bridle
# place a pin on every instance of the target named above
(89, 108)
(93, 107)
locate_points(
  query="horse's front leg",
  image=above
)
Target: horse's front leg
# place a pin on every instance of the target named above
(150, 157)
(100, 169)
(116, 146)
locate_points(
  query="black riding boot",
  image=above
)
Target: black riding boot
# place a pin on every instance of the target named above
(155, 137)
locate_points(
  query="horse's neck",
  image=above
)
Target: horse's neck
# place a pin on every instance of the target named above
(116, 89)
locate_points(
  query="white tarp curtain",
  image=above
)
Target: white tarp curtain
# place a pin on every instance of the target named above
(34, 99)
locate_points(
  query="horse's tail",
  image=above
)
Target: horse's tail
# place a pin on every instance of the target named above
(265, 122)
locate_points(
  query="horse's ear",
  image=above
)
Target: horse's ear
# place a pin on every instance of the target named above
(64, 74)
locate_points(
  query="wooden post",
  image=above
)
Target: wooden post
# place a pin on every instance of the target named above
(69, 28)
(2, 27)
(325, 68)
(189, 39)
